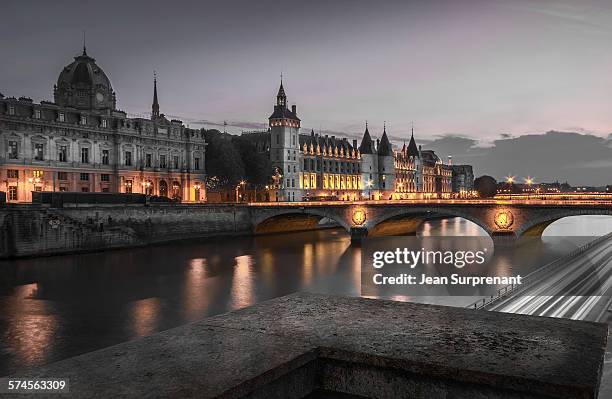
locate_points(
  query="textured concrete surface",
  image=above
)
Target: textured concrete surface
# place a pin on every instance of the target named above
(291, 346)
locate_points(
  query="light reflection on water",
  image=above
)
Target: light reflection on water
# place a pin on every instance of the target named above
(57, 307)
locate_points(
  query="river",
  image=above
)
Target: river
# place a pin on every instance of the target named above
(57, 307)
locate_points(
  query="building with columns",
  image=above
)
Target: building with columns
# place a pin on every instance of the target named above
(82, 143)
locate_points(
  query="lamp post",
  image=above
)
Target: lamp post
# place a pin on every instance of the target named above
(510, 180)
(529, 182)
(145, 187)
(241, 184)
(197, 191)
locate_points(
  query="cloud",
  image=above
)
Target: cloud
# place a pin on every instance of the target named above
(581, 159)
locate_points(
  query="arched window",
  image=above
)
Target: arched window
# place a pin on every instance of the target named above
(163, 188)
(176, 190)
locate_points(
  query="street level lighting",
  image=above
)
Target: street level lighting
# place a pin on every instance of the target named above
(510, 180)
(241, 184)
(529, 182)
(197, 191)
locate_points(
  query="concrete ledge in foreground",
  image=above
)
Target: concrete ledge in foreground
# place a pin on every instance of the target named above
(317, 346)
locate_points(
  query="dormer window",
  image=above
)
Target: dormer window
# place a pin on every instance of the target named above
(36, 114)
(11, 110)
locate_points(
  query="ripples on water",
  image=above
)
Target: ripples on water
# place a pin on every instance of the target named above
(57, 307)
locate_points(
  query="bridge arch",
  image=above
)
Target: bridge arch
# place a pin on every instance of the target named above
(270, 221)
(423, 214)
(535, 226)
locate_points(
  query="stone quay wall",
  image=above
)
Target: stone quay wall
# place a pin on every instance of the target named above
(35, 230)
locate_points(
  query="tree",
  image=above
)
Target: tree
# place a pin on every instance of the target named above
(257, 165)
(486, 186)
(223, 160)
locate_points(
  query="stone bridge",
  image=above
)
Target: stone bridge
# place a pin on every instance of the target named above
(497, 218)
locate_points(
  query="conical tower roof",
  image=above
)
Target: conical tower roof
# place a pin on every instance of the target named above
(413, 151)
(366, 146)
(385, 148)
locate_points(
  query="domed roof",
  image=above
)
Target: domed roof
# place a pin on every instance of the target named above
(84, 85)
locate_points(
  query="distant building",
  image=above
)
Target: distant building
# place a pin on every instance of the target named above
(81, 142)
(313, 166)
(463, 179)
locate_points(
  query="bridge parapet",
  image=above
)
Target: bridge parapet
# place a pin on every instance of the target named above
(495, 218)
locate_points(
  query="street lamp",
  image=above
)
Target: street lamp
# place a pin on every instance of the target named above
(241, 184)
(529, 182)
(510, 180)
(197, 191)
(145, 187)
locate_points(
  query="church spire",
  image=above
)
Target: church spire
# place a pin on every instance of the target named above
(155, 106)
(281, 97)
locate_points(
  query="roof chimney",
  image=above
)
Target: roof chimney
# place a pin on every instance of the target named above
(294, 109)
(355, 144)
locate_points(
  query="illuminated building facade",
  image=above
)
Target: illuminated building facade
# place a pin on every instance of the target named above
(330, 168)
(82, 143)
(321, 167)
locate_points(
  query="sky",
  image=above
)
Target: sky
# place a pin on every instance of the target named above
(488, 72)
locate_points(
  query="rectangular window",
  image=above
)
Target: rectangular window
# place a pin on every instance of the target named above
(83, 120)
(38, 173)
(175, 161)
(148, 159)
(104, 177)
(104, 123)
(36, 114)
(61, 117)
(12, 193)
(162, 161)
(128, 158)
(85, 155)
(39, 150)
(13, 152)
(62, 176)
(128, 186)
(104, 157)
(84, 189)
(84, 176)
(63, 188)
(11, 110)
(196, 163)
(63, 153)
(105, 189)
(12, 173)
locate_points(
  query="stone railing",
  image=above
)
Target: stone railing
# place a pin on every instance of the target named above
(315, 346)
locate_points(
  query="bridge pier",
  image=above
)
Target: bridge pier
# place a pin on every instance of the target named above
(358, 234)
(504, 239)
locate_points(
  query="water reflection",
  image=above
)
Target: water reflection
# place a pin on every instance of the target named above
(145, 316)
(242, 283)
(57, 307)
